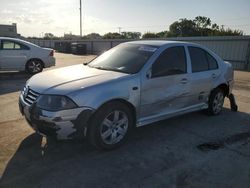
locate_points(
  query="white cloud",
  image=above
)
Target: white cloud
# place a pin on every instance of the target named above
(92, 24)
(57, 17)
(34, 17)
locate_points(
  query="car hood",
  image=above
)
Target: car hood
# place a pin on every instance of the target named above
(67, 79)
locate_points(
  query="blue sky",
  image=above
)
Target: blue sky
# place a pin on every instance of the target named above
(35, 17)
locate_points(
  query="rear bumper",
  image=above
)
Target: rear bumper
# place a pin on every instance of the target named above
(49, 61)
(65, 124)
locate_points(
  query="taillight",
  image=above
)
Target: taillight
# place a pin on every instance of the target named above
(51, 53)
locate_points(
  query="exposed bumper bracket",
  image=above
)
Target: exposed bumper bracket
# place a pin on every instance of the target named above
(234, 106)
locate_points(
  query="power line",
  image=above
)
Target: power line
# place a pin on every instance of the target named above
(145, 26)
(167, 26)
(241, 25)
(239, 18)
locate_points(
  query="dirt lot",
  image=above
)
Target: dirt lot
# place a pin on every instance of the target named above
(192, 150)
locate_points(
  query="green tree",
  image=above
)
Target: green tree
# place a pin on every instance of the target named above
(200, 26)
(202, 21)
(215, 26)
(93, 36)
(149, 35)
(182, 28)
(162, 34)
(229, 32)
(113, 36)
(131, 35)
(49, 36)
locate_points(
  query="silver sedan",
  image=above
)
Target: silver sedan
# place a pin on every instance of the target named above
(132, 84)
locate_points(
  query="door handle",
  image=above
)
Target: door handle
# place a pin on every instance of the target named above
(184, 80)
(214, 75)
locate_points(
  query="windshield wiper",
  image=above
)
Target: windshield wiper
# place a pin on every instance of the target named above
(101, 67)
(109, 69)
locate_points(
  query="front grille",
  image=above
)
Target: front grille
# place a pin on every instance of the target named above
(29, 95)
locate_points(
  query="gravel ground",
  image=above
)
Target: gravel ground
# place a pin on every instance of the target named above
(192, 150)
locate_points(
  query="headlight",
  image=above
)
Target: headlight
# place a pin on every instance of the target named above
(55, 102)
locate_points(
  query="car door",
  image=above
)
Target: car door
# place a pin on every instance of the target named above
(166, 86)
(204, 72)
(0, 55)
(13, 55)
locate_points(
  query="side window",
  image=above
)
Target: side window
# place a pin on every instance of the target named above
(198, 59)
(171, 61)
(17, 46)
(11, 45)
(8, 45)
(23, 47)
(212, 62)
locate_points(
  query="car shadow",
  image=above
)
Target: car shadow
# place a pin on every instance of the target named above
(12, 81)
(40, 162)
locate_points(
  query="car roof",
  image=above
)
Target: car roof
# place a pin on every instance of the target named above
(10, 38)
(158, 43)
(18, 40)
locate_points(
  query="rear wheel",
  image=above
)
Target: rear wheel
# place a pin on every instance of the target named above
(216, 101)
(34, 66)
(110, 126)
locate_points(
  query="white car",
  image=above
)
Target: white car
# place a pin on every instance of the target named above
(20, 55)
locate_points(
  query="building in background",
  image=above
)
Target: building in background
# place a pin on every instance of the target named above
(9, 30)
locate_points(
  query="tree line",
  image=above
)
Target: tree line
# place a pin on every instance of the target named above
(199, 26)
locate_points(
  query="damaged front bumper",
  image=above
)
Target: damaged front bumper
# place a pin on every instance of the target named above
(64, 124)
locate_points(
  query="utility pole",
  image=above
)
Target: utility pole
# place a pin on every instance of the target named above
(80, 18)
(120, 28)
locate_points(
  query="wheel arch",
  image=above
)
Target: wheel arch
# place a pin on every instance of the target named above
(224, 87)
(125, 102)
(220, 88)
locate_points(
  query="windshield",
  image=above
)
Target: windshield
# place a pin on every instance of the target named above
(127, 58)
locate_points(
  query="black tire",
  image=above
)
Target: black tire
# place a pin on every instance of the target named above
(234, 108)
(216, 101)
(34, 66)
(97, 125)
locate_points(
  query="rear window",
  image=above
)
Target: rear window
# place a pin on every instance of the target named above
(212, 62)
(201, 60)
(198, 59)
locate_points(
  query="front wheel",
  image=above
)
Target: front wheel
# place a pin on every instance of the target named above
(216, 101)
(110, 126)
(34, 66)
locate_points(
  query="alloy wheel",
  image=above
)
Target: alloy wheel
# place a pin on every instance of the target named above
(35, 66)
(114, 127)
(218, 102)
